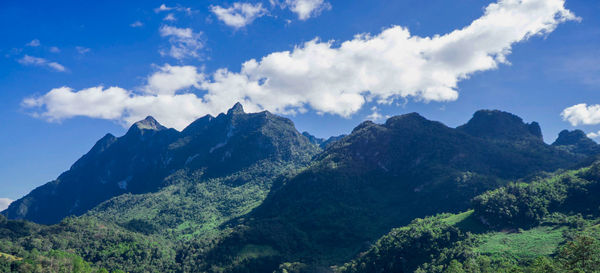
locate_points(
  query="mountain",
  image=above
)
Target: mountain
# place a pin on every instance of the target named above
(499, 125)
(576, 141)
(140, 161)
(246, 192)
(385, 175)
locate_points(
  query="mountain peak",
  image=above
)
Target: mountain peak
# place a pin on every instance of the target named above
(576, 141)
(145, 125)
(149, 123)
(497, 124)
(414, 116)
(566, 137)
(410, 121)
(236, 109)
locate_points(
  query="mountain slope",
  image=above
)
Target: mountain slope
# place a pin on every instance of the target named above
(248, 193)
(382, 176)
(517, 228)
(141, 160)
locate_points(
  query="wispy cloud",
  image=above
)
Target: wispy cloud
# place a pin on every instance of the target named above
(35, 61)
(375, 115)
(136, 24)
(169, 17)
(239, 14)
(54, 49)
(178, 8)
(184, 42)
(329, 77)
(34, 43)
(82, 50)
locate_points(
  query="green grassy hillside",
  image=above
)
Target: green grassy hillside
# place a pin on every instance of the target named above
(550, 225)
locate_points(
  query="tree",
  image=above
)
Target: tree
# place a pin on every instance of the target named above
(581, 255)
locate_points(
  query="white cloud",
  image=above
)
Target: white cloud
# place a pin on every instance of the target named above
(118, 104)
(375, 115)
(305, 9)
(56, 66)
(34, 43)
(582, 114)
(164, 96)
(389, 65)
(82, 50)
(182, 33)
(136, 24)
(239, 14)
(35, 61)
(184, 42)
(170, 79)
(169, 17)
(164, 7)
(4, 203)
(594, 134)
(62, 103)
(54, 49)
(329, 79)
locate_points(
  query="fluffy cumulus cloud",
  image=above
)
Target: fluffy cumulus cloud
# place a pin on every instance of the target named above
(239, 14)
(306, 8)
(386, 66)
(170, 79)
(184, 42)
(4, 203)
(117, 104)
(35, 61)
(582, 114)
(393, 64)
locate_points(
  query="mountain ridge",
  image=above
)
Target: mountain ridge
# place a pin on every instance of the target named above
(138, 161)
(384, 175)
(246, 192)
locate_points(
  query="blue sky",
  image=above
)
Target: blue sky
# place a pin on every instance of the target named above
(163, 62)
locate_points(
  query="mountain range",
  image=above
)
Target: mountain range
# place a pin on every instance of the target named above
(246, 192)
